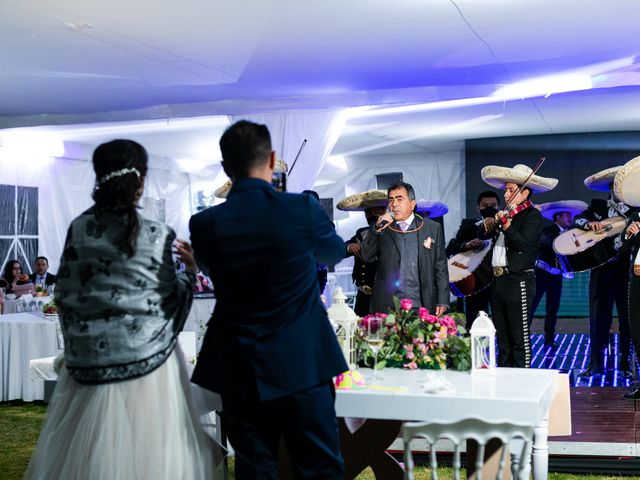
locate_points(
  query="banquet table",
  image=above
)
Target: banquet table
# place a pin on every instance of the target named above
(199, 315)
(511, 394)
(24, 336)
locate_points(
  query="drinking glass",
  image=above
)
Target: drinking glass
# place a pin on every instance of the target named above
(375, 340)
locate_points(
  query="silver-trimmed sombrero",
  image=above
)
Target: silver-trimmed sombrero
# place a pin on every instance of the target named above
(602, 180)
(222, 192)
(549, 209)
(435, 209)
(498, 176)
(627, 181)
(363, 200)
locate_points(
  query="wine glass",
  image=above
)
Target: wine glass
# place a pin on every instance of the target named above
(375, 340)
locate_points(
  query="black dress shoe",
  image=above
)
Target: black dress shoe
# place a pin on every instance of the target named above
(552, 345)
(635, 395)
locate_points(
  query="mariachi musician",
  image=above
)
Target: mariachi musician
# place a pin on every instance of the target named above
(625, 187)
(373, 203)
(516, 233)
(467, 239)
(608, 283)
(549, 270)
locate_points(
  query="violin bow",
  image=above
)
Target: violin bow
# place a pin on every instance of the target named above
(304, 142)
(526, 182)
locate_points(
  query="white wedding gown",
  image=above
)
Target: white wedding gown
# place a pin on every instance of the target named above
(141, 429)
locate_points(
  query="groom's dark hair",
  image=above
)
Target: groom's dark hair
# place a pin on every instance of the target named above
(244, 145)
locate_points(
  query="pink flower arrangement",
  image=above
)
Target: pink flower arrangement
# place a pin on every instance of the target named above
(406, 304)
(416, 339)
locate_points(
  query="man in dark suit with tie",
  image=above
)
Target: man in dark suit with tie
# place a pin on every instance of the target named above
(41, 277)
(269, 349)
(411, 259)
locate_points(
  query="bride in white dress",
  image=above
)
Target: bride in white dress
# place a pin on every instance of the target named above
(122, 408)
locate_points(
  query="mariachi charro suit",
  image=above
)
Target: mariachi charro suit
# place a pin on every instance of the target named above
(425, 247)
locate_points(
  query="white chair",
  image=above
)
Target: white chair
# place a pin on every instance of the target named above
(518, 437)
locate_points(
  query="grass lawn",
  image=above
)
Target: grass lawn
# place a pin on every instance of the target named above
(20, 424)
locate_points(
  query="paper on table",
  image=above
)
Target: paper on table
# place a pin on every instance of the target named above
(437, 384)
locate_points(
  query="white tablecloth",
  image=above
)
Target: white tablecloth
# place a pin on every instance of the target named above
(199, 316)
(519, 395)
(24, 336)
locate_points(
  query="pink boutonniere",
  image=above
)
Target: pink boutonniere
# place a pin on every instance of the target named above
(427, 243)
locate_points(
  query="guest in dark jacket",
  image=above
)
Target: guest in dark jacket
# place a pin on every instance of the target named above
(41, 276)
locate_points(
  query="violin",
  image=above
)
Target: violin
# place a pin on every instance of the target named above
(502, 217)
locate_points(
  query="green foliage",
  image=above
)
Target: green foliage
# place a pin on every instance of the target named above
(416, 339)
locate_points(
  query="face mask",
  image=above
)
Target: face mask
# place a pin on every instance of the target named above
(488, 212)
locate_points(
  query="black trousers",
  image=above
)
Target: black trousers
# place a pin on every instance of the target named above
(608, 284)
(552, 286)
(634, 311)
(305, 420)
(475, 303)
(363, 301)
(511, 297)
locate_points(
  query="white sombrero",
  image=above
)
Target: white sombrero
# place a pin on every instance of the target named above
(434, 209)
(222, 192)
(497, 176)
(549, 209)
(602, 180)
(363, 200)
(627, 182)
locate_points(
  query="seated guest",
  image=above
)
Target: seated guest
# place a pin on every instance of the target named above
(13, 275)
(41, 277)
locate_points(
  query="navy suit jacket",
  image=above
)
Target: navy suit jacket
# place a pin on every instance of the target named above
(269, 333)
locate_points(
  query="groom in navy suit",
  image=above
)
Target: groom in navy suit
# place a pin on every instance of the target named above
(269, 349)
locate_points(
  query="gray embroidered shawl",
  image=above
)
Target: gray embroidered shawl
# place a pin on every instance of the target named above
(120, 316)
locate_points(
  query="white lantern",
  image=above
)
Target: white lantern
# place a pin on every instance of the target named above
(344, 321)
(483, 345)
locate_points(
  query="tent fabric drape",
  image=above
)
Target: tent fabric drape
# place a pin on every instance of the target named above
(288, 132)
(64, 188)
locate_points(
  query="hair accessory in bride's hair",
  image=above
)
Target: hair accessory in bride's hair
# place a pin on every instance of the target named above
(118, 173)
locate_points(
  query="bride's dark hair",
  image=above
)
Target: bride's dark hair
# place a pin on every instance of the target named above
(120, 166)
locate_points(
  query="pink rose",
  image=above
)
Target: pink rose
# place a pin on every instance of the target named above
(423, 313)
(431, 319)
(410, 355)
(408, 348)
(411, 366)
(406, 304)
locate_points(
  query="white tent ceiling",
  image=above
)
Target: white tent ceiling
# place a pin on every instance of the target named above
(68, 62)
